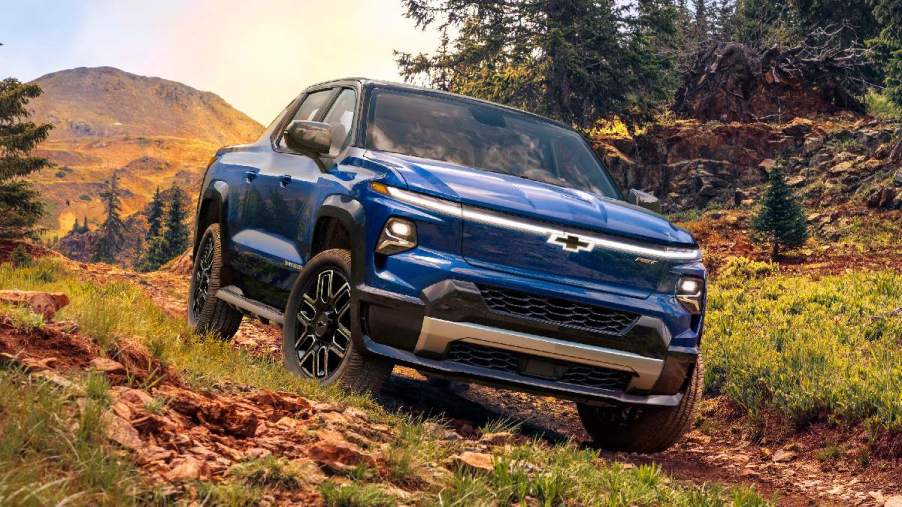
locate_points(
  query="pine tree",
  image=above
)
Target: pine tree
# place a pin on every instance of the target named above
(84, 227)
(20, 208)
(154, 216)
(888, 45)
(781, 220)
(574, 60)
(175, 235)
(111, 233)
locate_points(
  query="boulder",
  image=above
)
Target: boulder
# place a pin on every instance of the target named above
(44, 303)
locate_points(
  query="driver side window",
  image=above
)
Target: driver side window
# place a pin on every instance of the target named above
(309, 110)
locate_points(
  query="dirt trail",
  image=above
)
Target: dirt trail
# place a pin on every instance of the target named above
(717, 452)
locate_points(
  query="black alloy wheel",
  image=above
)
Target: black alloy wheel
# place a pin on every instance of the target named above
(323, 334)
(203, 271)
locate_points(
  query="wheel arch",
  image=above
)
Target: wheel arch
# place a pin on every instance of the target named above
(347, 213)
(212, 209)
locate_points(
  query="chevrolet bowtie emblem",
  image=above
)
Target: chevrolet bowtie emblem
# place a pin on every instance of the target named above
(571, 242)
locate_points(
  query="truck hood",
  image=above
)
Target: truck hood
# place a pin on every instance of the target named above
(532, 199)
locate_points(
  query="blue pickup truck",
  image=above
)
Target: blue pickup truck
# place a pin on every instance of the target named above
(380, 224)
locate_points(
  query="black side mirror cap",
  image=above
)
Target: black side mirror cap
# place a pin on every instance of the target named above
(310, 137)
(644, 200)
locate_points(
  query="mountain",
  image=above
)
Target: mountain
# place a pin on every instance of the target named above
(108, 102)
(148, 131)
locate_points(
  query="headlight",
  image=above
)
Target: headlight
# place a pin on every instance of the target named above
(397, 236)
(690, 292)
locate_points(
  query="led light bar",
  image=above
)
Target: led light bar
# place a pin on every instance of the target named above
(492, 218)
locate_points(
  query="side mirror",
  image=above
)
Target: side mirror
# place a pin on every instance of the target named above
(310, 137)
(644, 199)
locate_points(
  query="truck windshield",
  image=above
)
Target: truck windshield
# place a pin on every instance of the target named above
(475, 134)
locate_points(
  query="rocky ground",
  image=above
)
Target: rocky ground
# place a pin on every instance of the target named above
(722, 448)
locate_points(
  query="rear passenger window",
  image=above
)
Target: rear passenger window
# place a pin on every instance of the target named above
(341, 118)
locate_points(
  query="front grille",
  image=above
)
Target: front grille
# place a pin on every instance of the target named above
(513, 362)
(557, 311)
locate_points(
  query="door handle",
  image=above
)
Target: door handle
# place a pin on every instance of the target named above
(286, 179)
(250, 176)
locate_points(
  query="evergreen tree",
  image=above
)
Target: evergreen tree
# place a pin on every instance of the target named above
(84, 227)
(154, 216)
(111, 233)
(20, 208)
(574, 60)
(888, 45)
(780, 220)
(175, 235)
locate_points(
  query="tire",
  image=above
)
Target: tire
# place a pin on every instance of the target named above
(316, 338)
(643, 429)
(206, 313)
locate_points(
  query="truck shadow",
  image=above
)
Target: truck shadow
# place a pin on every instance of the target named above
(409, 392)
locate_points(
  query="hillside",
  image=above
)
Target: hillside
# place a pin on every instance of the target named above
(150, 131)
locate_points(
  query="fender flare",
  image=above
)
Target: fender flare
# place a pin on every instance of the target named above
(216, 194)
(350, 213)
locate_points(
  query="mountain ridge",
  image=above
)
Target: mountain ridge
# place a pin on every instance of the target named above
(109, 102)
(150, 131)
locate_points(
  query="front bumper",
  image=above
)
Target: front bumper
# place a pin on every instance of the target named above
(451, 331)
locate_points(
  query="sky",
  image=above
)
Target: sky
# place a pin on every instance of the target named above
(256, 54)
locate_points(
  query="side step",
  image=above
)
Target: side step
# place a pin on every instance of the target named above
(233, 296)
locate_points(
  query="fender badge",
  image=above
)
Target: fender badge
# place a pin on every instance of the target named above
(293, 265)
(645, 260)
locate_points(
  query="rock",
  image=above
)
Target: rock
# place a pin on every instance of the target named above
(106, 365)
(335, 453)
(882, 198)
(499, 438)
(893, 501)
(188, 469)
(795, 181)
(767, 164)
(798, 127)
(872, 164)
(812, 144)
(122, 432)
(782, 456)
(473, 461)
(44, 303)
(842, 167)
(877, 496)
(897, 178)
(55, 378)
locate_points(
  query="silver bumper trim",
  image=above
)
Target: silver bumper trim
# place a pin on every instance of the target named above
(437, 334)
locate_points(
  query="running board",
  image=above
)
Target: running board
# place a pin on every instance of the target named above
(233, 296)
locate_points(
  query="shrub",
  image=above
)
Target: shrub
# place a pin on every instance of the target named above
(20, 257)
(808, 350)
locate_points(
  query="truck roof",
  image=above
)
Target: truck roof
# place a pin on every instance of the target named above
(365, 81)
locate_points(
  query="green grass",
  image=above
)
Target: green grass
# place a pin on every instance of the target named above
(47, 460)
(880, 106)
(355, 495)
(552, 476)
(117, 310)
(807, 350)
(547, 474)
